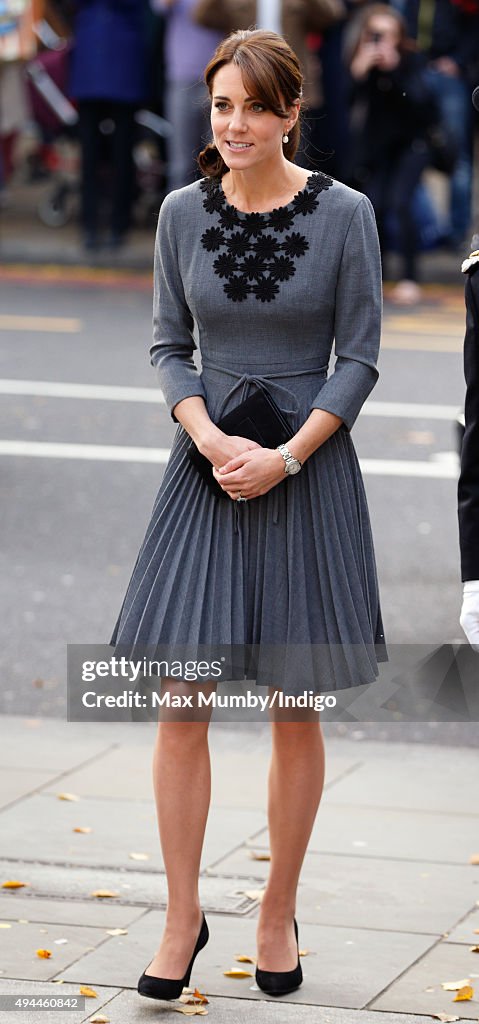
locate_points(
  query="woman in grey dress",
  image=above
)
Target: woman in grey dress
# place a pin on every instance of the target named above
(271, 263)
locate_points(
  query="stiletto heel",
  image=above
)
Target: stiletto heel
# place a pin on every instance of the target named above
(171, 988)
(279, 983)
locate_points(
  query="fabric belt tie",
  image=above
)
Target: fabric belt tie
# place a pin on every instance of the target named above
(284, 395)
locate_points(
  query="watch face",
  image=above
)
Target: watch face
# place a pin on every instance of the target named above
(294, 467)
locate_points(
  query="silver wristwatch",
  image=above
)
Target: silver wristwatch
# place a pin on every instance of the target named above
(291, 465)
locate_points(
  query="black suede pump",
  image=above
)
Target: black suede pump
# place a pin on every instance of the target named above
(171, 988)
(279, 983)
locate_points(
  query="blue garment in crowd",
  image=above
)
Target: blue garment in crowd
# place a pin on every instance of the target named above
(109, 57)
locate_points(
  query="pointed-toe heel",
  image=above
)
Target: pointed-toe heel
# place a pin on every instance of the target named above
(171, 988)
(279, 983)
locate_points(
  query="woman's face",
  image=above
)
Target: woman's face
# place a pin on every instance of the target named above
(382, 30)
(239, 118)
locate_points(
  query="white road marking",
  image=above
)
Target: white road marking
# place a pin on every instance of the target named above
(118, 453)
(120, 393)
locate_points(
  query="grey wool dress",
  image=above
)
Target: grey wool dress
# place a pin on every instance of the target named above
(290, 576)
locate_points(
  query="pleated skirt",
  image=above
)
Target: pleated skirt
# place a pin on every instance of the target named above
(287, 580)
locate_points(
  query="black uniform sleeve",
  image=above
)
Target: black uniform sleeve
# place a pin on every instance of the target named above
(468, 486)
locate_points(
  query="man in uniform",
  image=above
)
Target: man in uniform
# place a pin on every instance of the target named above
(468, 487)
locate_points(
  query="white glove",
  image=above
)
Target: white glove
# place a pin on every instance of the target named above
(469, 619)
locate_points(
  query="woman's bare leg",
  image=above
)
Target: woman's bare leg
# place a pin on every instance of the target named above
(182, 786)
(295, 785)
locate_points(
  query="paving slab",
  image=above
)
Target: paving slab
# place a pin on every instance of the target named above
(41, 827)
(17, 903)
(16, 783)
(427, 779)
(392, 833)
(130, 1008)
(43, 990)
(337, 970)
(19, 943)
(135, 888)
(467, 930)
(50, 744)
(445, 962)
(373, 893)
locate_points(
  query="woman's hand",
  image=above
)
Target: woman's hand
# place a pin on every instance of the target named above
(469, 619)
(252, 472)
(367, 58)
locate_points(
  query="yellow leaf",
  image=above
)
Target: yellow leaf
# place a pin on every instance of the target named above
(104, 892)
(237, 972)
(474, 858)
(85, 990)
(446, 1018)
(304, 952)
(83, 828)
(117, 931)
(243, 959)
(453, 986)
(200, 996)
(3, 924)
(13, 884)
(259, 856)
(254, 894)
(139, 856)
(67, 796)
(191, 1011)
(44, 953)
(466, 992)
(474, 949)
(99, 1018)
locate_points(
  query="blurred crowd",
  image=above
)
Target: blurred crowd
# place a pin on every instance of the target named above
(387, 97)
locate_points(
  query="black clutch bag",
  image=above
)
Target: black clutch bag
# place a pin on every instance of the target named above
(259, 419)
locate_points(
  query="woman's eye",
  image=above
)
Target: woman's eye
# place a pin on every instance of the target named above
(220, 104)
(260, 105)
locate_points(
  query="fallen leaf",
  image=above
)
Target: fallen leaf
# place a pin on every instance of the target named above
(259, 856)
(139, 856)
(23, 920)
(243, 959)
(13, 884)
(474, 949)
(99, 1018)
(446, 1018)
(44, 953)
(117, 931)
(452, 986)
(3, 924)
(304, 952)
(104, 892)
(67, 796)
(466, 992)
(253, 894)
(474, 858)
(83, 828)
(237, 972)
(191, 1011)
(195, 998)
(59, 942)
(85, 990)
(200, 996)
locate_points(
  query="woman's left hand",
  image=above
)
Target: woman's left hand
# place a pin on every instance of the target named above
(254, 472)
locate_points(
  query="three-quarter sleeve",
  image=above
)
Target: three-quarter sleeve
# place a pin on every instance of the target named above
(357, 319)
(173, 342)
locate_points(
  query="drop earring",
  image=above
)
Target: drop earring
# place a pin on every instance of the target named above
(285, 138)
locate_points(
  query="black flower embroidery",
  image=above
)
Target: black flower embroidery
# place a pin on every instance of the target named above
(281, 219)
(229, 218)
(237, 289)
(253, 267)
(238, 243)
(250, 254)
(212, 239)
(295, 244)
(282, 269)
(266, 290)
(225, 265)
(267, 246)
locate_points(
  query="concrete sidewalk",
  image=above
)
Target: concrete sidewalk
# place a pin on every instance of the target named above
(387, 905)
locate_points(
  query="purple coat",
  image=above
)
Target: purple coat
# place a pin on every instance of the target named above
(109, 57)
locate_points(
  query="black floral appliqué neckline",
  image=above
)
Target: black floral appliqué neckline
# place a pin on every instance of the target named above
(251, 259)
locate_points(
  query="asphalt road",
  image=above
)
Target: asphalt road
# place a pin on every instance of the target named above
(74, 517)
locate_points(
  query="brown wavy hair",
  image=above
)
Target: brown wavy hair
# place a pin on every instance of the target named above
(270, 71)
